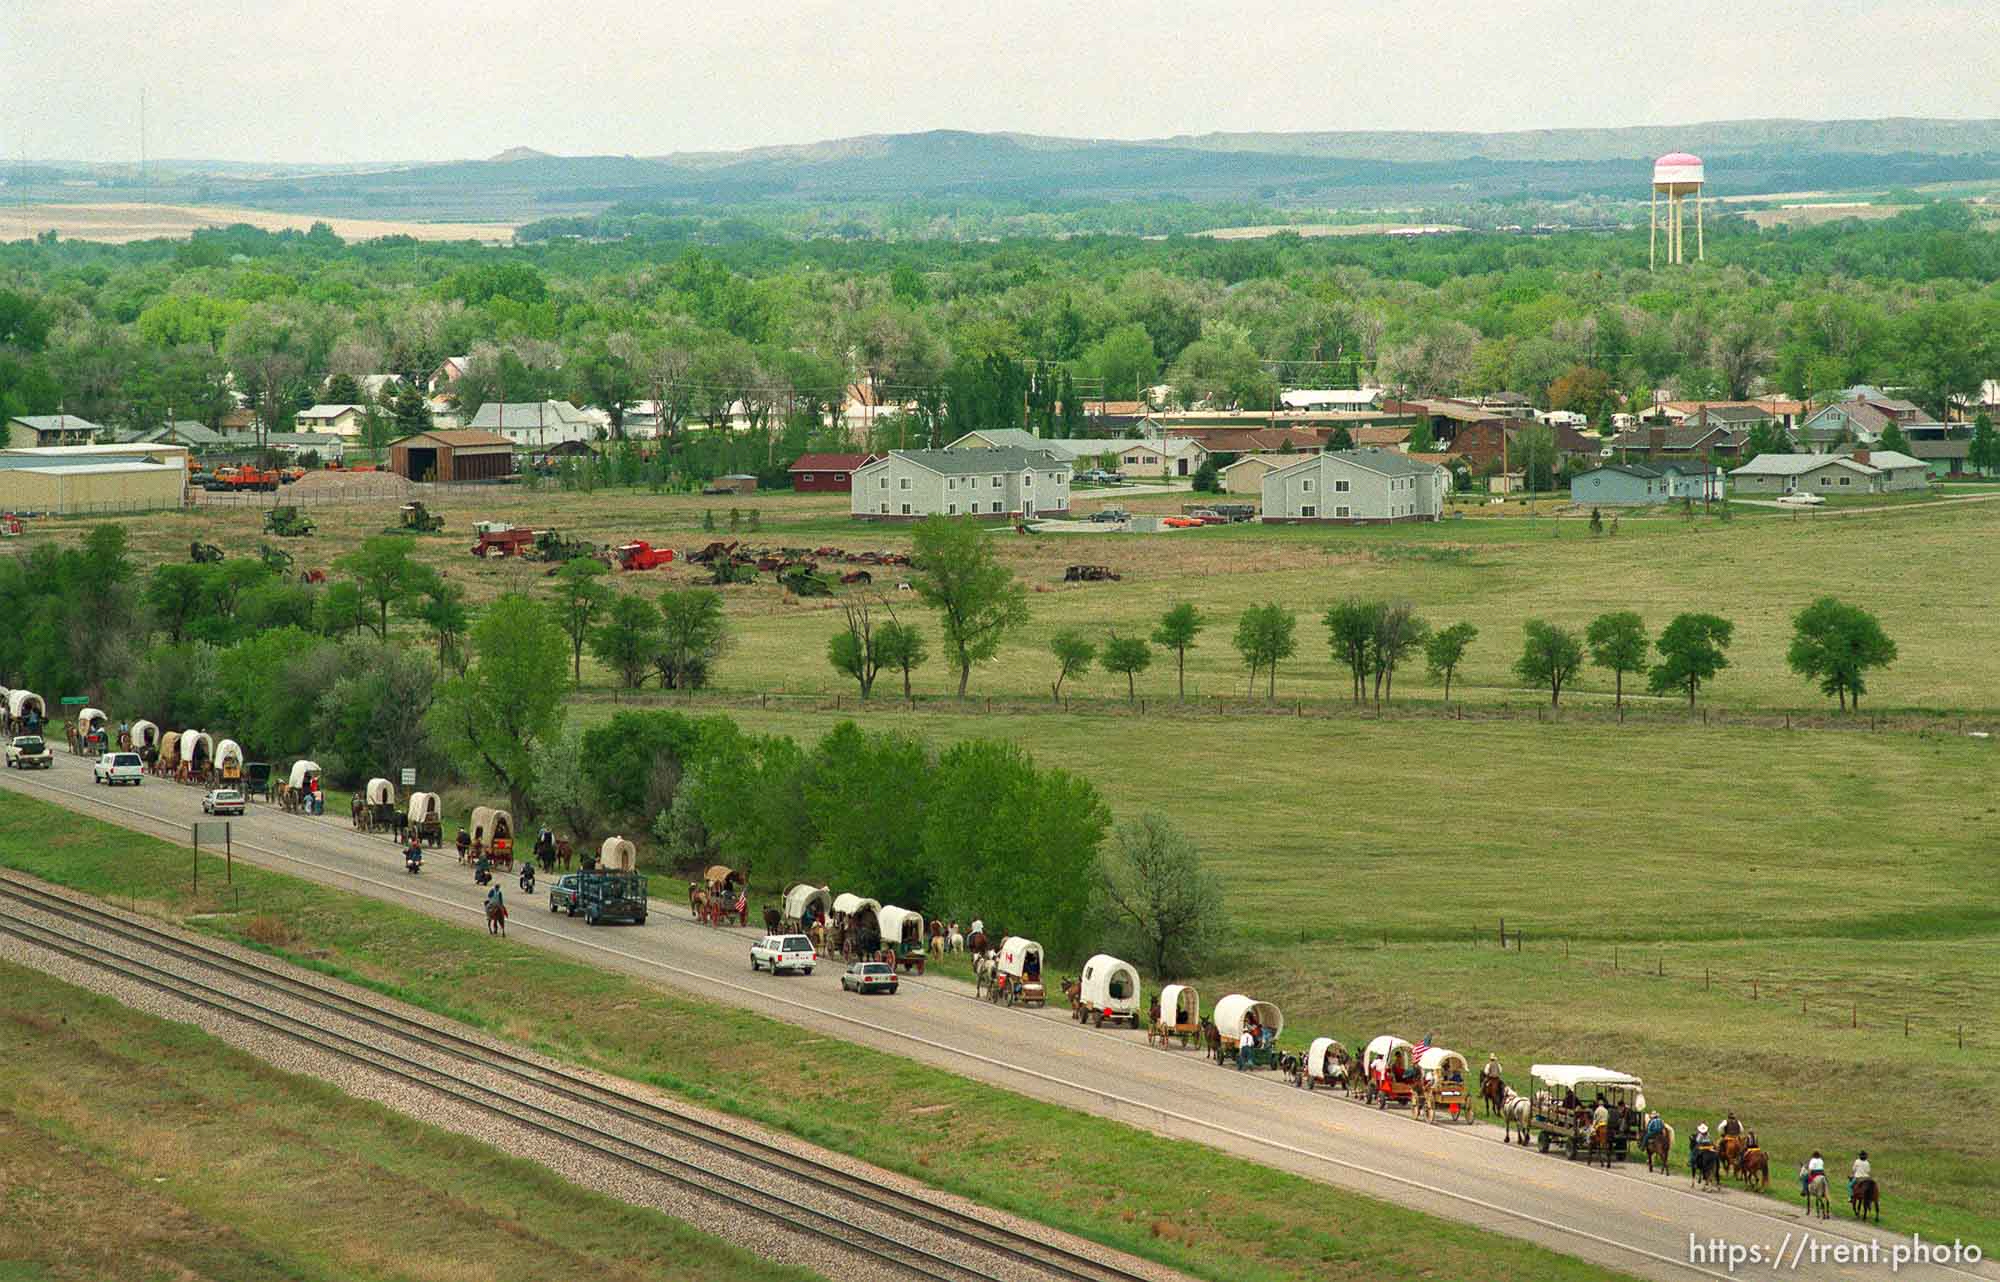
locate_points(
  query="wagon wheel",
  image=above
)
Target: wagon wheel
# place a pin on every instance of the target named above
(1545, 1141)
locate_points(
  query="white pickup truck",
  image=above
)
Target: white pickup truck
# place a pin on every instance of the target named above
(28, 752)
(118, 767)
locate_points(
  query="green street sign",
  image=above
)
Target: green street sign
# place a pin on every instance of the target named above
(74, 699)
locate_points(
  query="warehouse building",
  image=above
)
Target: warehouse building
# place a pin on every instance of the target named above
(455, 454)
(83, 480)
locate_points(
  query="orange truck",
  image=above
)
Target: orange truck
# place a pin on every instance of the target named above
(247, 478)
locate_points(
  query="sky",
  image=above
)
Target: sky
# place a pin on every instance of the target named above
(347, 81)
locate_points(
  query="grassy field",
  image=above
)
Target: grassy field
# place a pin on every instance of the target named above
(1657, 874)
(1919, 568)
(119, 222)
(1181, 1203)
(137, 1148)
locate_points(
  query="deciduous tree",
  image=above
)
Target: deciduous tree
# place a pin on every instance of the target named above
(1618, 641)
(977, 599)
(628, 639)
(899, 645)
(581, 594)
(1159, 895)
(1264, 635)
(500, 717)
(1129, 656)
(1178, 629)
(1550, 656)
(1445, 649)
(1835, 644)
(1691, 652)
(693, 635)
(1074, 653)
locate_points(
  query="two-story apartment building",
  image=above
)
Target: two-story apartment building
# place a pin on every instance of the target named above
(1009, 483)
(1355, 487)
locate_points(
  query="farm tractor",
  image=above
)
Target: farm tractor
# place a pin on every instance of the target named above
(641, 555)
(277, 560)
(418, 519)
(497, 539)
(204, 553)
(803, 580)
(287, 522)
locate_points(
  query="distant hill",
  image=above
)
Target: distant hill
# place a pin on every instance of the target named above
(1336, 170)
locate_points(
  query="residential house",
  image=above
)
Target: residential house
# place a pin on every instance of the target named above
(1008, 483)
(1173, 457)
(827, 473)
(1355, 487)
(1387, 438)
(1116, 418)
(179, 432)
(1642, 484)
(43, 431)
(1335, 398)
(1688, 441)
(999, 438)
(1861, 416)
(1862, 472)
(533, 425)
(325, 445)
(1943, 457)
(1739, 416)
(449, 371)
(338, 420)
(1250, 440)
(1246, 475)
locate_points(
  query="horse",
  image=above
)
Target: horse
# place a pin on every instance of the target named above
(1072, 991)
(1516, 1115)
(1492, 1093)
(357, 813)
(496, 919)
(1660, 1145)
(1729, 1149)
(1754, 1167)
(1816, 1199)
(773, 920)
(1423, 1101)
(818, 935)
(464, 845)
(1705, 1164)
(564, 853)
(1600, 1141)
(697, 900)
(1211, 1039)
(978, 943)
(983, 966)
(1866, 1197)
(954, 940)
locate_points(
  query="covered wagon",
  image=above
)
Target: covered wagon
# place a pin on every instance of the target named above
(903, 933)
(197, 756)
(807, 906)
(1564, 1099)
(1107, 992)
(425, 819)
(1326, 1063)
(374, 808)
(727, 895)
(89, 734)
(144, 739)
(1390, 1068)
(1444, 1076)
(300, 793)
(1017, 974)
(26, 712)
(167, 761)
(1177, 1014)
(229, 763)
(617, 854)
(493, 835)
(856, 930)
(1236, 1015)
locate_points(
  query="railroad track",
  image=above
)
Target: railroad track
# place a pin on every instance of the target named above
(975, 1244)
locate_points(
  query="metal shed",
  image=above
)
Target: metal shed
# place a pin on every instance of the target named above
(452, 455)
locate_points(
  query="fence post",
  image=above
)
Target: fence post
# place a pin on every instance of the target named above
(1704, 979)
(1802, 1003)
(1614, 957)
(1906, 1025)
(1854, 1015)
(1660, 967)
(1961, 1037)
(1753, 990)
(1503, 933)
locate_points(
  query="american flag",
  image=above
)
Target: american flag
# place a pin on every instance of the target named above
(1417, 1051)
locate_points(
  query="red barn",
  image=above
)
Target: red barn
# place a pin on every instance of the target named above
(827, 473)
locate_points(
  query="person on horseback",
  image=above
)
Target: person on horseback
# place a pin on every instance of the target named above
(1862, 1171)
(1699, 1140)
(1492, 1068)
(1654, 1125)
(1730, 1126)
(482, 872)
(1815, 1165)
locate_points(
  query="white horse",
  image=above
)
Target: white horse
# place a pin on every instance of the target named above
(955, 941)
(983, 967)
(1515, 1115)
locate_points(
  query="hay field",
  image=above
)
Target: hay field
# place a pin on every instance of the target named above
(121, 222)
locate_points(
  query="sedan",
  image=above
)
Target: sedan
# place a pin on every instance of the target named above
(869, 977)
(222, 801)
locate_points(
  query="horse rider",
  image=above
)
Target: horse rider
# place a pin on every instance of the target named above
(1699, 1141)
(482, 872)
(1815, 1165)
(496, 903)
(1600, 1121)
(1655, 1124)
(1730, 1126)
(978, 926)
(1862, 1171)
(1491, 1070)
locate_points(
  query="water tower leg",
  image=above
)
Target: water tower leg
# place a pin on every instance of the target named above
(1700, 245)
(1653, 236)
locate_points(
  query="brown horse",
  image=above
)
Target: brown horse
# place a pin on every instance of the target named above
(1730, 1149)
(496, 919)
(564, 853)
(1660, 1146)
(1599, 1142)
(1866, 1197)
(1492, 1091)
(1754, 1167)
(697, 901)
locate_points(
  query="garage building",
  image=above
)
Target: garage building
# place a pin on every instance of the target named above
(82, 480)
(455, 454)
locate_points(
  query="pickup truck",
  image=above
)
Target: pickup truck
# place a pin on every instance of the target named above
(118, 767)
(28, 752)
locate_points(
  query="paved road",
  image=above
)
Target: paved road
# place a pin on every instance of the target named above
(1624, 1219)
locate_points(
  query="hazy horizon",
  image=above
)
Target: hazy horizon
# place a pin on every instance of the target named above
(376, 83)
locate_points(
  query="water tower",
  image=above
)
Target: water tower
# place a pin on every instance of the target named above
(1676, 176)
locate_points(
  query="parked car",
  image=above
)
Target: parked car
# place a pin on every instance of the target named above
(1207, 517)
(28, 752)
(118, 767)
(222, 801)
(869, 977)
(1111, 514)
(1801, 499)
(780, 953)
(566, 893)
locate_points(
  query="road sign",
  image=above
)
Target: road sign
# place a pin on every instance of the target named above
(409, 776)
(214, 831)
(74, 700)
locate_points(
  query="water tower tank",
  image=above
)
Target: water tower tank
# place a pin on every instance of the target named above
(1677, 171)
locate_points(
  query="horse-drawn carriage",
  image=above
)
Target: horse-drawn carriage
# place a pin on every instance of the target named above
(903, 934)
(805, 907)
(1445, 1075)
(229, 764)
(1389, 1072)
(725, 893)
(89, 734)
(166, 762)
(296, 796)
(856, 932)
(197, 757)
(374, 809)
(1326, 1063)
(27, 712)
(617, 855)
(1015, 976)
(1176, 1013)
(1106, 992)
(1563, 1100)
(493, 835)
(143, 738)
(1264, 1021)
(424, 819)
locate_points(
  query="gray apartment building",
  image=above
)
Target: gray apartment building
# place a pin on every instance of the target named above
(1005, 484)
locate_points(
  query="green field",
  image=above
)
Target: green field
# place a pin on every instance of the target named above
(1850, 871)
(137, 1148)
(1182, 1203)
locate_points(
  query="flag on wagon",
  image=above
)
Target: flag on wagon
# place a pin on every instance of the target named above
(1418, 1051)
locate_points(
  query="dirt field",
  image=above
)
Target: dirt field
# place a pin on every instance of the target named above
(1814, 215)
(119, 223)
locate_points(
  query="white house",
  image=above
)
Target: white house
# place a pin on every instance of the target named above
(534, 425)
(988, 484)
(332, 420)
(1331, 398)
(1355, 487)
(1862, 472)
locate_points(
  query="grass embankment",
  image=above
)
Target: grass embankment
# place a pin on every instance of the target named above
(1181, 1203)
(1850, 872)
(135, 1147)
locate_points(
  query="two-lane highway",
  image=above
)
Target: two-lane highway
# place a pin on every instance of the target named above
(1624, 1219)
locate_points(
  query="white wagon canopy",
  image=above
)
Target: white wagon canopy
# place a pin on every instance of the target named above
(380, 791)
(229, 759)
(1557, 1080)
(144, 734)
(850, 906)
(617, 855)
(901, 926)
(197, 749)
(1180, 1005)
(1110, 985)
(91, 720)
(1020, 958)
(302, 773)
(1317, 1053)
(425, 808)
(21, 702)
(801, 900)
(1234, 1012)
